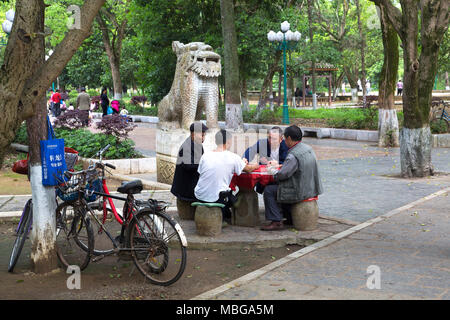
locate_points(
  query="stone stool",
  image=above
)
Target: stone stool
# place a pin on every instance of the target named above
(208, 218)
(305, 215)
(185, 210)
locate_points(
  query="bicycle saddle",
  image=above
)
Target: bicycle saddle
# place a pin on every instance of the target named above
(131, 187)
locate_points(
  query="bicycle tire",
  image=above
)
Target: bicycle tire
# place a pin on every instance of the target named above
(153, 236)
(68, 237)
(22, 233)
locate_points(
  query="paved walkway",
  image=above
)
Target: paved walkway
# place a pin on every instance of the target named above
(404, 254)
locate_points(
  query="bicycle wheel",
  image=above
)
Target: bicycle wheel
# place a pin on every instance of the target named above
(73, 228)
(22, 233)
(158, 246)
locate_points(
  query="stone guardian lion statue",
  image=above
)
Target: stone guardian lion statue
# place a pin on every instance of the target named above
(194, 88)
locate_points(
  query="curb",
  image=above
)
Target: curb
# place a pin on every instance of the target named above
(152, 185)
(128, 166)
(211, 294)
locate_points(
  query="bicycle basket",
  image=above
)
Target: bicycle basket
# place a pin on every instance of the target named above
(68, 190)
(94, 185)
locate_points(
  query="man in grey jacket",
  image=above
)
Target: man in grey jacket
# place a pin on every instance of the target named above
(84, 104)
(297, 180)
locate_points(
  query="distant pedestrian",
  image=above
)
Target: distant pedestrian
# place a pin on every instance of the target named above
(56, 99)
(298, 94)
(367, 86)
(399, 87)
(83, 104)
(343, 87)
(104, 101)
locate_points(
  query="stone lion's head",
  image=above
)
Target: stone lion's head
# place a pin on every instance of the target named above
(198, 57)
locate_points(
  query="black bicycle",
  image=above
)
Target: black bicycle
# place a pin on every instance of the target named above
(152, 239)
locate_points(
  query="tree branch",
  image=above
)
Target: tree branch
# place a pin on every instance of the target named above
(394, 15)
(42, 78)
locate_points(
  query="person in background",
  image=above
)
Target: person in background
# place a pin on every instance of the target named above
(83, 104)
(104, 101)
(216, 169)
(56, 99)
(367, 86)
(297, 180)
(399, 87)
(115, 105)
(186, 176)
(298, 95)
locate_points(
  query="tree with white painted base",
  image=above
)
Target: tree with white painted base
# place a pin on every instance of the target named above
(388, 129)
(24, 79)
(420, 67)
(233, 110)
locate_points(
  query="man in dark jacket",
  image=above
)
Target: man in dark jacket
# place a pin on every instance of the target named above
(186, 176)
(297, 180)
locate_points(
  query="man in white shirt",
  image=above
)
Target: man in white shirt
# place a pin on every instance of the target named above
(216, 169)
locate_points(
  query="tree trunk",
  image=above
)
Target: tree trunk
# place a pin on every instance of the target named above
(388, 129)
(419, 74)
(313, 61)
(113, 49)
(362, 46)
(266, 89)
(447, 83)
(353, 81)
(244, 96)
(233, 111)
(43, 235)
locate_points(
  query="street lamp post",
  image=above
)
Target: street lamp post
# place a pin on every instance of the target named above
(285, 40)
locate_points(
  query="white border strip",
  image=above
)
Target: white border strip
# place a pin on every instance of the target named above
(325, 242)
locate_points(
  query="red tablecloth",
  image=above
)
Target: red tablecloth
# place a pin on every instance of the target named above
(248, 180)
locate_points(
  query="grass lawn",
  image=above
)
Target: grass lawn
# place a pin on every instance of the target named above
(12, 183)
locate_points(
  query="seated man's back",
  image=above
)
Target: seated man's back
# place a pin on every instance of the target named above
(216, 170)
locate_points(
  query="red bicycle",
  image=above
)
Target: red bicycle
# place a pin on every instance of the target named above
(155, 240)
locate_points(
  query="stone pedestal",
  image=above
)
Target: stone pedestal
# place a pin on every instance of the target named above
(246, 209)
(185, 210)
(305, 215)
(208, 221)
(168, 143)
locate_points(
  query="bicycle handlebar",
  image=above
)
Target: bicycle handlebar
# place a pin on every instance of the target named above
(100, 153)
(110, 166)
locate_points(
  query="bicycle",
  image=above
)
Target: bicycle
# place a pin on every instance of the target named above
(155, 240)
(440, 122)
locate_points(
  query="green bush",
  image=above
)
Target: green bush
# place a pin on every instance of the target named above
(139, 110)
(88, 144)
